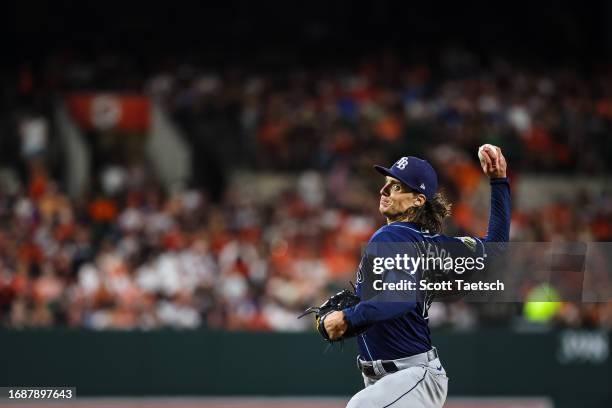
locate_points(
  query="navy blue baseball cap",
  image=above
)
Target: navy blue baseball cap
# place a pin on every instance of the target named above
(415, 173)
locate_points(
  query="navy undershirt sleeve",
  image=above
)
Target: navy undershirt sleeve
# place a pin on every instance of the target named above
(499, 216)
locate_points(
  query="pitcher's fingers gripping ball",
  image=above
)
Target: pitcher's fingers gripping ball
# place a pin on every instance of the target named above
(492, 161)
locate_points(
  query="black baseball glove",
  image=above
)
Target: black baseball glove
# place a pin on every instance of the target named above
(337, 302)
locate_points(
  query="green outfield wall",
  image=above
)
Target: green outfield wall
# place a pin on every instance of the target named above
(573, 367)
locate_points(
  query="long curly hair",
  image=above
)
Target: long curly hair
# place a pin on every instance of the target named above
(431, 215)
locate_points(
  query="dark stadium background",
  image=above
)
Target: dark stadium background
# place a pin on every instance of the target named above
(497, 355)
(315, 32)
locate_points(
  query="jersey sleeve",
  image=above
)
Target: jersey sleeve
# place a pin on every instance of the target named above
(468, 255)
(448, 259)
(467, 246)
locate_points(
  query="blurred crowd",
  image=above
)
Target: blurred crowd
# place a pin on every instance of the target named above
(548, 120)
(146, 259)
(130, 253)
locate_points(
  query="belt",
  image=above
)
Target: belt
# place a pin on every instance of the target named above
(378, 368)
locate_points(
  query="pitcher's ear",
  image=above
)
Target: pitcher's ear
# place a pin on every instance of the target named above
(420, 200)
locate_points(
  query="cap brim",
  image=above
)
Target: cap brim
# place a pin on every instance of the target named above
(387, 172)
(384, 171)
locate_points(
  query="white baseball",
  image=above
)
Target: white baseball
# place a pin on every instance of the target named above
(492, 151)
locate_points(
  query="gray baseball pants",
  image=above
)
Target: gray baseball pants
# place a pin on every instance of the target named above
(420, 386)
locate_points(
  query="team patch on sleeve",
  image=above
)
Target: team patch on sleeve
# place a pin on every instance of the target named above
(469, 242)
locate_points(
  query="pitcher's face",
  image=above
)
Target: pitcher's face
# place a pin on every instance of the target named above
(396, 198)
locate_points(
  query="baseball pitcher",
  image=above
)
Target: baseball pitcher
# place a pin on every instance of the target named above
(399, 365)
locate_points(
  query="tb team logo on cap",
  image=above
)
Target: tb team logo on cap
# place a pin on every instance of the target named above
(402, 163)
(415, 173)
